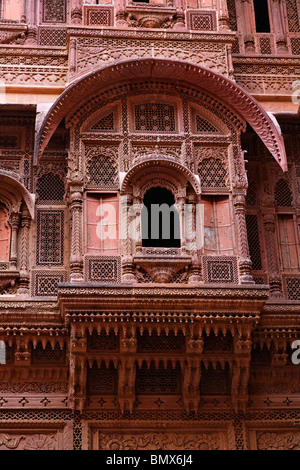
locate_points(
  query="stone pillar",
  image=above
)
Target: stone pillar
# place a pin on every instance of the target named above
(279, 25)
(120, 8)
(223, 15)
(195, 272)
(73, 55)
(76, 259)
(245, 263)
(14, 223)
(127, 369)
(24, 253)
(23, 13)
(269, 223)
(77, 367)
(126, 239)
(76, 11)
(138, 225)
(245, 20)
(180, 207)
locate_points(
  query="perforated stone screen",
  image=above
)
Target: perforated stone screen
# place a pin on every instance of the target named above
(213, 174)
(154, 117)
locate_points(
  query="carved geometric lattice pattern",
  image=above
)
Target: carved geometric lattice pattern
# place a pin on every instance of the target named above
(202, 125)
(102, 380)
(212, 173)
(292, 16)
(236, 46)
(52, 37)
(253, 240)
(158, 380)
(251, 194)
(105, 124)
(283, 195)
(217, 343)
(154, 117)
(295, 44)
(45, 284)
(102, 172)
(50, 238)
(8, 141)
(265, 46)
(293, 287)
(220, 269)
(47, 355)
(232, 15)
(161, 342)
(105, 269)
(50, 189)
(54, 11)
(202, 22)
(213, 382)
(260, 279)
(99, 16)
(102, 342)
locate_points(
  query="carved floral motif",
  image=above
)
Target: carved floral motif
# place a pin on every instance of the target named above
(160, 441)
(278, 441)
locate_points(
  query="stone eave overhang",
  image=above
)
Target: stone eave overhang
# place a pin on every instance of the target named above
(161, 302)
(29, 312)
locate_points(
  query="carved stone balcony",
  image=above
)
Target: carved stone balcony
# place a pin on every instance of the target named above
(162, 264)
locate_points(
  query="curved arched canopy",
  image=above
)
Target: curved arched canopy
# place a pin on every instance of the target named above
(152, 165)
(15, 191)
(176, 71)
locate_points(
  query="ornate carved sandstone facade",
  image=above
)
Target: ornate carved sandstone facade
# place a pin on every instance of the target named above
(114, 336)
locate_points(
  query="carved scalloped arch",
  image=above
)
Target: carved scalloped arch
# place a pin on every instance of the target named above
(14, 192)
(168, 168)
(121, 71)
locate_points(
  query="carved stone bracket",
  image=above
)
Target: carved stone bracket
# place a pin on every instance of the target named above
(162, 268)
(151, 16)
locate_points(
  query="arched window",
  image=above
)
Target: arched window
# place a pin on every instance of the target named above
(160, 220)
(5, 234)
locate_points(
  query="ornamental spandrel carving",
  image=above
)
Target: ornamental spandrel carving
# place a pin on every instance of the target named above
(160, 441)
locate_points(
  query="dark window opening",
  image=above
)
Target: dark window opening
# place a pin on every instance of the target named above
(160, 220)
(141, 1)
(262, 20)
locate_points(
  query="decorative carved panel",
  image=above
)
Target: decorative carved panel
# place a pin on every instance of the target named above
(222, 269)
(98, 15)
(160, 441)
(50, 238)
(202, 20)
(105, 269)
(54, 11)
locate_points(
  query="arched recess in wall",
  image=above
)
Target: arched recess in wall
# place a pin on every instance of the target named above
(15, 192)
(224, 89)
